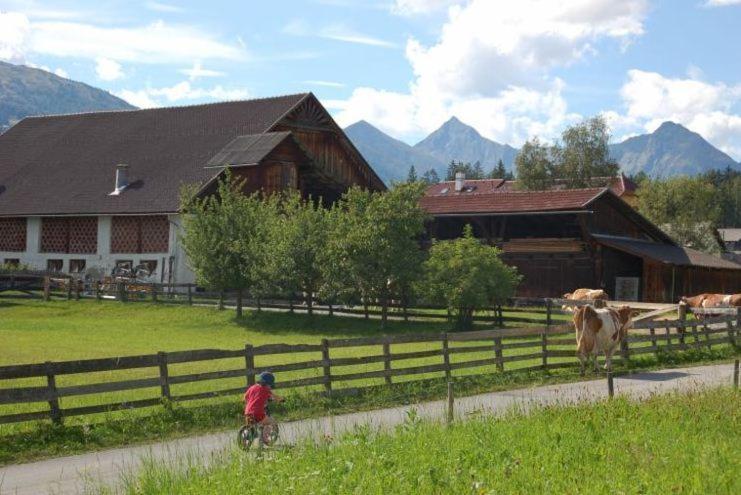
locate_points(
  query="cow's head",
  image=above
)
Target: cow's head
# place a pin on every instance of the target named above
(625, 315)
(567, 295)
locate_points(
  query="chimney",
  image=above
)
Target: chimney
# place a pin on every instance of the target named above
(122, 178)
(460, 179)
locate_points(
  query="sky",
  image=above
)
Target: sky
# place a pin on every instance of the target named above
(511, 69)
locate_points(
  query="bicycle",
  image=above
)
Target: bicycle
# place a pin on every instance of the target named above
(249, 433)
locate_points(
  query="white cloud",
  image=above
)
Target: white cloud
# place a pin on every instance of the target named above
(492, 65)
(198, 71)
(412, 7)
(722, 3)
(706, 108)
(61, 73)
(156, 43)
(180, 92)
(14, 30)
(337, 32)
(163, 7)
(327, 84)
(107, 69)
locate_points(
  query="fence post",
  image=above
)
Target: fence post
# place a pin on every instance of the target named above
(326, 366)
(610, 384)
(696, 335)
(668, 335)
(549, 308)
(51, 383)
(387, 361)
(122, 293)
(331, 310)
(190, 295)
(290, 304)
(97, 290)
(164, 375)
(735, 374)
(154, 293)
(544, 348)
(498, 353)
(706, 331)
(450, 403)
(446, 355)
(69, 289)
(78, 283)
(731, 333)
(249, 364)
(365, 307)
(654, 342)
(47, 288)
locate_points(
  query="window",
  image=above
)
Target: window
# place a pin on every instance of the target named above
(124, 264)
(69, 235)
(54, 265)
(149, 265)
(76, 266)
(142, 234)
(12, 234)
(12, 262)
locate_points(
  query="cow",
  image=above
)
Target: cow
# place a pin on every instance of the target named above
(710, 301)
(584, 295)
(600, 330)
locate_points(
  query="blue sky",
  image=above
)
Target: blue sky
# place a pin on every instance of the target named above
(511, 69)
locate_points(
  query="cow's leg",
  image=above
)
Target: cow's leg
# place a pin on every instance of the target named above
(595, 356)
(582, 363)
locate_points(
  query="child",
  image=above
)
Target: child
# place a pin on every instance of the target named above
(256, 399)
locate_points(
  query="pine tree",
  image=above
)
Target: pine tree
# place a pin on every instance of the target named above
(498, 172)
(478, 171)
(412, 175)
(452, 169)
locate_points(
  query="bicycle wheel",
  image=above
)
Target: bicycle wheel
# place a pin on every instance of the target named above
(246, 437)
(274, 434)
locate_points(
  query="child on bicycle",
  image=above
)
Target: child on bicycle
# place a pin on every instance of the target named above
(256, 399)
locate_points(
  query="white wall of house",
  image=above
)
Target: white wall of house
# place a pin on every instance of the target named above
(171, 266)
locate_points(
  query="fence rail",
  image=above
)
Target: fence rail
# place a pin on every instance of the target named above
(662, 336)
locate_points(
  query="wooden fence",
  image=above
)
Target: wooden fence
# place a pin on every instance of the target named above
(552, 347)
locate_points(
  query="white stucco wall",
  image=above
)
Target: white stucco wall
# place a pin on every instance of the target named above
(102, 263)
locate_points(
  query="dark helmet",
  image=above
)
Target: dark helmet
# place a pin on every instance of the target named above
(267, 378)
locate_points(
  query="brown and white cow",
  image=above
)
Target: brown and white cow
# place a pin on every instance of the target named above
(710, 301)
(584, 295)
(600, 330)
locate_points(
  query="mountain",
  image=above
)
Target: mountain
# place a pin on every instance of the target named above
(389, 157)
(455, 140)
(26, 91)
(670, 150)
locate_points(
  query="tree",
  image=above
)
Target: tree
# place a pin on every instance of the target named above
(412, 175)
(728, 192)
(534, 167)
(296, 241)
(430, 177)
(215, 230)
(478, 171)
(685, 207)
(466, 275)
(373, 249)
(470, 172)
(584, 153)
(498, 172)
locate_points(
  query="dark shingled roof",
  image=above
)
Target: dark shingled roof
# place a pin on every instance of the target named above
(664, 253)
(66, 164)
(435, 202)
(247, 150)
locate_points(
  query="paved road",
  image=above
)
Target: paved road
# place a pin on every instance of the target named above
(73, 474)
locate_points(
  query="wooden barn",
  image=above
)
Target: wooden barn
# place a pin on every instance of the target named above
(564, 239)
(85, 193)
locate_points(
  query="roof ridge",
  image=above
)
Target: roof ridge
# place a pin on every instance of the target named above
(171, 107)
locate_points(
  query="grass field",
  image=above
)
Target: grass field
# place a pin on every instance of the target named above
(35, 331)
(669, 444)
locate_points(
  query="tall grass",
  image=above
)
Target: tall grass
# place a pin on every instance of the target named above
(668, 444)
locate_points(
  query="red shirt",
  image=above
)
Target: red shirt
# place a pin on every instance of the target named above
(255, 399)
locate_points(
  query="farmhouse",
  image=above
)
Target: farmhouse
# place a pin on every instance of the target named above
(85, 193)
(563, 239)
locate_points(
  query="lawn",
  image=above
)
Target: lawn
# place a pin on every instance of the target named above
(668, 444)
(35, 331)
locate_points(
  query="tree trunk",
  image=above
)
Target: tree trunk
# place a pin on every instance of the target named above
(310, 302)
(220, 305)
(239, 303)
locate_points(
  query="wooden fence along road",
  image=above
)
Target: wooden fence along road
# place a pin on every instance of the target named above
(500, 350)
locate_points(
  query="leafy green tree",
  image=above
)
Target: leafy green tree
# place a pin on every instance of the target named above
(412, 175)
(466, 275)
(685, 207)
(215, 228)
(373, 249)
(728, 193)
(296, 241)
(431, 177)
(584, 153)
(534, 167)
